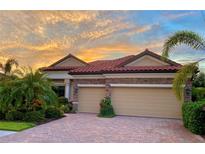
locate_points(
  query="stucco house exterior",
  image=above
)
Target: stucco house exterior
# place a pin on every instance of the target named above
(138, 85)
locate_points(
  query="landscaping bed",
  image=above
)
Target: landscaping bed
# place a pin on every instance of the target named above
(29, 100)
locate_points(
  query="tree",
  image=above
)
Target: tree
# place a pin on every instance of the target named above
(190, 70)
(199, 80)
(8, 66)
(32, 90)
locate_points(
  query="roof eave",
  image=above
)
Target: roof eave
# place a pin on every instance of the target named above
(130, 71)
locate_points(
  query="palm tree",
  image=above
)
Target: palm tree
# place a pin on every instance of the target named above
(188, 71)
(7, 67)
(30, 91)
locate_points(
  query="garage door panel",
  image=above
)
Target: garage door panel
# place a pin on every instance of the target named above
(89, 99)
(155, 102)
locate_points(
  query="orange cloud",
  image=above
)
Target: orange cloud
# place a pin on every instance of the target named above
(39, 38)
(107, 51)
(142, 29)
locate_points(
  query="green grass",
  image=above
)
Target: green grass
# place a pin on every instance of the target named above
(15, 126)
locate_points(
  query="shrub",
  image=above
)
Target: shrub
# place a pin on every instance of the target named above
(35, 116)
(65, 108)
(198, 94)
(106, 109)
(32, 91)
(14, 115)
(2, 116)
(199, 80)
(194, 117)
(62, 100)
(53, 112)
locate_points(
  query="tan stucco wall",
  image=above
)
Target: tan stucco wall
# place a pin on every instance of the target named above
(147, 61)
(70, 62)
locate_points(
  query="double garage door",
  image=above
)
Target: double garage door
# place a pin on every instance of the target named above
(151, 102)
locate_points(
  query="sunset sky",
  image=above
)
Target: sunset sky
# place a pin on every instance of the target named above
(39, 38)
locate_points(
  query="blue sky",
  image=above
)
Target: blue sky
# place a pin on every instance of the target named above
(39, 38)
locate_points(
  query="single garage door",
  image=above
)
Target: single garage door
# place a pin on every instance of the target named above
(90, 98)
(152, 102)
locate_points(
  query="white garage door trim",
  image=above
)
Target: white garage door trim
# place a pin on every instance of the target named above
(143, 85)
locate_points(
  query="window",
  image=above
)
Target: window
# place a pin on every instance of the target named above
(59, 90)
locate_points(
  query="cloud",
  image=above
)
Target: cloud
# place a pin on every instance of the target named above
(107, 51)
(174, 16)
(39, 38)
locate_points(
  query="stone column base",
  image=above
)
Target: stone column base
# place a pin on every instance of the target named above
(75, 107)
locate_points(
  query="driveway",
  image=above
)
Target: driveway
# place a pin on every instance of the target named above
(89, 128)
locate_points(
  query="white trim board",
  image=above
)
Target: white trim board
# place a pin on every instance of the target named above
(58, 75)
(126, 75)
(88, 76)
(91, 85)
(142, 85)
(140, 75)
(59, 83)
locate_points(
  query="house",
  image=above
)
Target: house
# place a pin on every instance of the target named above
(138, 85)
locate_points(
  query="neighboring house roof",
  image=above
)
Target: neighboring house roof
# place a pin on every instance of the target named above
(120, 65)
(1, 74)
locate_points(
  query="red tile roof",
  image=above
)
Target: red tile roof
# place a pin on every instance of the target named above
(118, 66)
(58, 68)
(100, 65)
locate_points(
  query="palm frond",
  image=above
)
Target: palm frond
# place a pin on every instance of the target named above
(9, 64)
(189, 38)
(12, 62)
(182, 76)
(23, 91)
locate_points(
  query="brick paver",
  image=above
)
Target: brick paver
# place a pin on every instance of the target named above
(89, 128)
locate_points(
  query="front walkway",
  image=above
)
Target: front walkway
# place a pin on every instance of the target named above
(89, 128)
(4, 132)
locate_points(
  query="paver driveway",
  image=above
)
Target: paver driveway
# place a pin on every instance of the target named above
(89, 128)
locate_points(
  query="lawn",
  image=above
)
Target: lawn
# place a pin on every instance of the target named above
(15, 126)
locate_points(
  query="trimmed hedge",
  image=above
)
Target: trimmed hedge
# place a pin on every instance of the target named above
(198, 93)
(53, 112)
(194, 117)
(35, 116)
(106, 109)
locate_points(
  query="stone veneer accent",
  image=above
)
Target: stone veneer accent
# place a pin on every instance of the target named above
(188, 91)
(109, 81)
